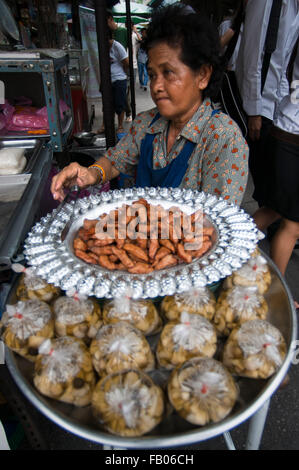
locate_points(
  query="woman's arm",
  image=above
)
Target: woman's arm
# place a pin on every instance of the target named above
(123, 158)
(75, 174)
(126, 65)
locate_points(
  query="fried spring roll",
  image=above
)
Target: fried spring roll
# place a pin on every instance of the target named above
(102, 250)
(163, 251)
(103, 242)
(141, 268)
(88, 258)
(136, 251)
(205, 247)
(105, 262)
(79, 244)
(168, 244)
(184, 255)
(88, 224)
(166, 262)
(120, 242)
(123, 257)
(153, 248)
(142, 242)
(83, 234)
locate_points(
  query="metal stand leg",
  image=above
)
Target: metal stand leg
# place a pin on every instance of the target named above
(256, 427)
(229, 442)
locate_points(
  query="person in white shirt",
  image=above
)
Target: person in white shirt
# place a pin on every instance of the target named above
(142, 59)
(282, 177)
(136, 38)
(258, 105)
(119, 65)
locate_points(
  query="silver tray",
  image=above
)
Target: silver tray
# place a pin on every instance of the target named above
(54, 260)
(173, 431)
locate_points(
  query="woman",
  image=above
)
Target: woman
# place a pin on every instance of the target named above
(183, 142)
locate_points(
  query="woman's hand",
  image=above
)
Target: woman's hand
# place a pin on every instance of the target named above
(71, 175)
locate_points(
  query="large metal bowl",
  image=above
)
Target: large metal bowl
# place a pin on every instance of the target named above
(84, 138)
(173, 431)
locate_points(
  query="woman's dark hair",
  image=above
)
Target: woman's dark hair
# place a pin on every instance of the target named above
(194, 34)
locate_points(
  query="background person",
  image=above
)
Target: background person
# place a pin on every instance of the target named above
(119, 65)
(260, 106)
(282, 178)
(142, 63)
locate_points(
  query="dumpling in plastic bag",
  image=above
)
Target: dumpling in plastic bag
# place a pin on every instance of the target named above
(238, 305)
(25, 325)
(202, 391)
(120, 346)
(192, 336)
(64, 372)
(255, 272)
(256, 349)
(77, 316)
(32, 286)
(128, 403)
(140, 313)
(200, 301)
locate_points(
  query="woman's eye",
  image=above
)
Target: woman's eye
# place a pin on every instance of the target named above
(167, 73)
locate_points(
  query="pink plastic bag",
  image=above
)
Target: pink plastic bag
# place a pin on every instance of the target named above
(63, 108)
(27, 118)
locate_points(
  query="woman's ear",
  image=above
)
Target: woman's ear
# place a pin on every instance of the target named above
(204, 76)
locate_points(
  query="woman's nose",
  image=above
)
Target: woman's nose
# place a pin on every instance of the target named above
(157, 83)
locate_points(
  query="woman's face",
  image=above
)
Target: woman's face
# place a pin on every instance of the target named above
(175, 88)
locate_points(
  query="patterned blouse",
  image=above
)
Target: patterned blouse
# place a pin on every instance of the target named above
(218, 163)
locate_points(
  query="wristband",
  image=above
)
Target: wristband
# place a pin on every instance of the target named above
(100, 169)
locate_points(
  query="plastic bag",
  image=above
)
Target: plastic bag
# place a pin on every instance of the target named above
(63, 371)
(254, 273)
(26, 118)
(256, 349)
(26, 325)
(192, 335)
(140, 313)
(199, 301)
(238, 305)
(77, 316)
(120, 346)
(202, 391)
(128, 403)
(32, 286)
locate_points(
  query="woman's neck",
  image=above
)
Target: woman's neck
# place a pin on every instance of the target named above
(178, 124)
